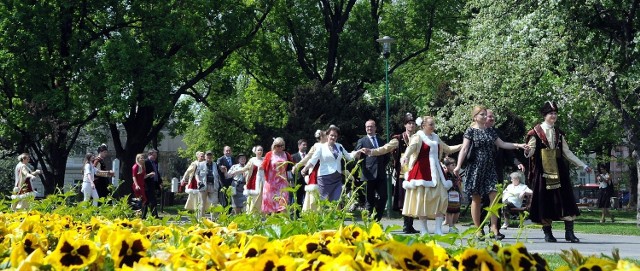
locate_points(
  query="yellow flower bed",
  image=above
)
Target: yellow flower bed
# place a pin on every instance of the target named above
(36, 241)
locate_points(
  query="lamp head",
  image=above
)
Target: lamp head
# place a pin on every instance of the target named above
(386, 45)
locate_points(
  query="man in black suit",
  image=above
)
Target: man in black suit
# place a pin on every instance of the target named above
(225, 161)
(153, 183)
(373, 171)
(297, 157)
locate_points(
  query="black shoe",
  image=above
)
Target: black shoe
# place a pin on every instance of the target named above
(569, 236)
(548, 235)
(568, 232)
(407, 225)
(410, 230)
(497, 236)
(549, 238)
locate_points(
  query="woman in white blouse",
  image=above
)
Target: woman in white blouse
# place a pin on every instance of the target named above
(22, 190)
(330, 155)
(88, 173)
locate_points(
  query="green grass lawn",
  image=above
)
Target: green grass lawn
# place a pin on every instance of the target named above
(589, 222)
(554, 260)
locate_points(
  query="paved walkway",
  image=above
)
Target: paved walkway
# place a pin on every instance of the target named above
(590, 244)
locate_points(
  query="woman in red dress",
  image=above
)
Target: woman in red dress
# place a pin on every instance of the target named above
(139, 173)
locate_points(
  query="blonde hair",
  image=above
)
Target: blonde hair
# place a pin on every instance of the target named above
(425, 118)
(255, 149)
(476, 110)
(277, 141)
(141, 166)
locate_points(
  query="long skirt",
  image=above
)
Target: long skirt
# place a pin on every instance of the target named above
(425, 201)
(311, 198)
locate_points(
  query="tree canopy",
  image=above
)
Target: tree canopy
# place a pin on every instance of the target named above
(241, 72)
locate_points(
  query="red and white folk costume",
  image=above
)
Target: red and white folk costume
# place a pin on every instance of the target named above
(311, 188)
(254, 174)
(426, 187)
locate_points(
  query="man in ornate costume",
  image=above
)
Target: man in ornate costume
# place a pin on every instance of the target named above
(549, 178)
(398, 172)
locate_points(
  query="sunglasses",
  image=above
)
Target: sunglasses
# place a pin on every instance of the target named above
(280, 146)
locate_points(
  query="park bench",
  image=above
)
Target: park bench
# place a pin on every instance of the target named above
(526, 205)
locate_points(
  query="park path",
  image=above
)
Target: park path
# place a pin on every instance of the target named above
(590, 244)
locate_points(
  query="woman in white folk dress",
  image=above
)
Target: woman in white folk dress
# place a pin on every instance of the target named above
(425, 184)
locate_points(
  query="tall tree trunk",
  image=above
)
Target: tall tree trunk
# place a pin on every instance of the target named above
(137, 139)
(53, 166)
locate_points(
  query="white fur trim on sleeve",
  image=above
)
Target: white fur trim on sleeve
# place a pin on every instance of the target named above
(310, 187)
(24, 196)
(448, 184)
(250, 192)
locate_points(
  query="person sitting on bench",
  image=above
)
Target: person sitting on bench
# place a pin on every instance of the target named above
(513, 195)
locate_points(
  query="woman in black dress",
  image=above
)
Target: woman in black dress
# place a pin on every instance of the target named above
(480, 176)
(605, 192)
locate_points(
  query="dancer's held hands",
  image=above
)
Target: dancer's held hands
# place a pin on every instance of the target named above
(456, 171)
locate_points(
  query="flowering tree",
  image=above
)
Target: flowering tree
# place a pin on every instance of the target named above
(582, 54)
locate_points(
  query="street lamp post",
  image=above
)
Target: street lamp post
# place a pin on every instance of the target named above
(386, 51)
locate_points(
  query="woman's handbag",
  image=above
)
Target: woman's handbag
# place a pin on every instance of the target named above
(469, 157)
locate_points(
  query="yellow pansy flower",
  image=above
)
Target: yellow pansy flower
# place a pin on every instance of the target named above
(72, 252)
(255, 246)
(152, 262)
(31, 224)
(128, 248)
(600, 264)
(311, 247)
(241, 264)
(275, 247)
(476, 259)
(352, 233)
(341, 262)
(517, 257)
(214, 252)
(339, 248)
(21, 249)
(33, 261)
(376, 233)
(271, 261)
(366, 255)
(325, 234)
(626, 265)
